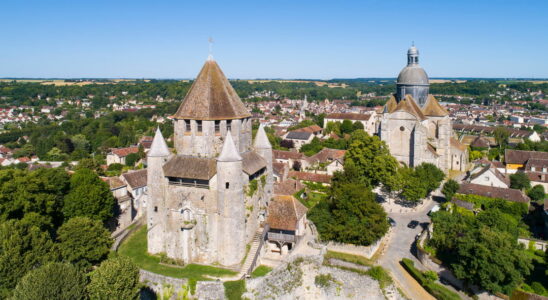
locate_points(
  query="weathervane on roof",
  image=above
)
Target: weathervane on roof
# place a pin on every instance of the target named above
(210, 40)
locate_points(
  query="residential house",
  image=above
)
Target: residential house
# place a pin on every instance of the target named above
(488, 175)
(118, 155)
(369, 121)
(287, 221)
(493, 192)
(299, 138)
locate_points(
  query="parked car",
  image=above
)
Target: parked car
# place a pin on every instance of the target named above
(413, 224)
(391, 222)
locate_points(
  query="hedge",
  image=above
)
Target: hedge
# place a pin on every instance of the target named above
(437, 290)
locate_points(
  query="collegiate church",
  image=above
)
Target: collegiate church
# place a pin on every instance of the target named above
(416, 128)
(206, 201)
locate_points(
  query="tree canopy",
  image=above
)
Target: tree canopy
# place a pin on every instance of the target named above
(59, 281)
(115, 278)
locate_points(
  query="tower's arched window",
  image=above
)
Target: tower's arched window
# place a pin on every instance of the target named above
(227, 185)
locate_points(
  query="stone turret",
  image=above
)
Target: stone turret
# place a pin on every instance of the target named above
(156, 158)
(231, 205)
(263, 147)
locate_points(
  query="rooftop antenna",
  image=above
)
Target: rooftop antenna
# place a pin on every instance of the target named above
(210, 56)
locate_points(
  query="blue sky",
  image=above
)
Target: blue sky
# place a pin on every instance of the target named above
(272, 39)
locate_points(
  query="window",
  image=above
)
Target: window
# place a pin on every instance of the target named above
(402, 128)
(187, 125)
(199, 125)
(533, 169)
(217, 126)
(228, 125)
(227, 185)
(155, 208)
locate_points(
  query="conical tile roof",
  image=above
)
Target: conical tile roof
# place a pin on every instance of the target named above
(211, 97)
(159, 146)
(261, 140)
(229, 152)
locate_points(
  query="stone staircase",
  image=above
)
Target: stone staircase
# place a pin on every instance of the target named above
(250, 255)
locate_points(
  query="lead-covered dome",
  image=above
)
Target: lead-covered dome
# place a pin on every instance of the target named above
(412, 74)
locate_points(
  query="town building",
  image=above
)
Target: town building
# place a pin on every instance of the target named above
(206, 202)
(416, 128)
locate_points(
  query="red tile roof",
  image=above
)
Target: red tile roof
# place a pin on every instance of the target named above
(493, 192)
(322, 178)
(284, 212)
(123, 152)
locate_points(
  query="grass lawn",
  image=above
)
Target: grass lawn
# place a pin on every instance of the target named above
(360, 260)
(261, 271)
(234, 289)
(135, 247)
(312, 199)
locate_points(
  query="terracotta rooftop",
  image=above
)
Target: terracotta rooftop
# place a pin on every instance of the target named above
(312, 129)
(115, 183)
(211, 97)
(322, 178)
(521, 157)
(493, 192)
(280, 154)
(433, 108)
(327, 154)
(537, 177)
(284, 212)
(288, 187)
(123, 152)
(349, 116)
(480, 142)
(136, 179)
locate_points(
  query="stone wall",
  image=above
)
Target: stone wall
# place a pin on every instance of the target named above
(158, 283)
(366, 251)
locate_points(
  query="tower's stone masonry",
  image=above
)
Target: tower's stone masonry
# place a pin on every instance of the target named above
(208, 200)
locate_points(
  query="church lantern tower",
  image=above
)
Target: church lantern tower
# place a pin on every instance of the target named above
(412, 79)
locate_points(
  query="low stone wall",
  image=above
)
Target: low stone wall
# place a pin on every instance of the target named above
(158, 283)
(366, 251)
(538, 244)
(210, 290)
(521, 295)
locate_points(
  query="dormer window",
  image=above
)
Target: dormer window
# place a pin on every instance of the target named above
(187, 125)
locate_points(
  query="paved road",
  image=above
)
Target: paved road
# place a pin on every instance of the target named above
(399, 247)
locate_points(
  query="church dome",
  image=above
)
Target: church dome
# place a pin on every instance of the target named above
(412, 74)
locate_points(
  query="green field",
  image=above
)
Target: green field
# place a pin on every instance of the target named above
(135, 247)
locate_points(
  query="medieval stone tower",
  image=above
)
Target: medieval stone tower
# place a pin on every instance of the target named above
(416, 128)
(208, 200)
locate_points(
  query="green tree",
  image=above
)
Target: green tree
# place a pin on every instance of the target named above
(83, 241)
(520, 181)
(501, 136)
(131, 159)
(351, 216)
(22, 248)
(449, 189)
(333, 127)
(430, 175)
(346, 127)
(371, 158)
(357, 125)
(474, 154)
(115, 278)
(536, 193)
(89, 196)
(52, 281)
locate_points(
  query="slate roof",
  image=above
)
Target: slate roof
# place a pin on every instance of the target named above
(493, 192)
(252, 162)
(521, 156)
(298, 135)
(136, 179)
(211, 97)
(284, 212)
(184, 166)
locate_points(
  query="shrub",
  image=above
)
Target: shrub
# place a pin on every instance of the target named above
(234, 289)
(380, 274)
(323, 280)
